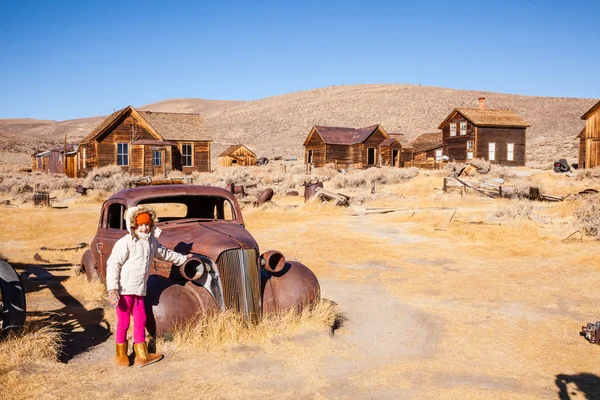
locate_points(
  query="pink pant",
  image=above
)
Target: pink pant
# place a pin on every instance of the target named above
(131, 304)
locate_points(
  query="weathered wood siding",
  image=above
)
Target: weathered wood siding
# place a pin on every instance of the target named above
(242, 156)
(501, 137)
(455, 147)
(581, 155)
(362, 150)
(87, 163)
(319, 150)
(339, 154)
(592, 142)
(407, 155)
(128, 129)
(387, 155)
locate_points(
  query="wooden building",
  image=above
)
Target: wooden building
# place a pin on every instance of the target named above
(147, 143)
(589, 138)
(406, 151)
(427, 147)
(348, 148)
(61, 160)
(390, 150)
(237, 155)
(495, 135)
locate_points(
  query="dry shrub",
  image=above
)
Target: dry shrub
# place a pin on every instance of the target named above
(36, 343)
(108, 180)
(588, 173)
(215, 332)
(514, 209)
(452, 169)
(483, 166)
(499, 171)
(22, 185)
(587, 216)
(366, 177)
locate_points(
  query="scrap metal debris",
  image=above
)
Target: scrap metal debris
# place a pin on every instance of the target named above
(150, 181)
(77, 247)
(264, 196)
(591, 332)
(239, 190)
(41, 199)
(82, 190)
(310, 189)
(39, 258)
(561, 166)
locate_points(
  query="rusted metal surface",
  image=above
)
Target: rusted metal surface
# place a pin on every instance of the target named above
(12, 299)
(239, 190)
(264, 196)
(292, 193)
(310, 188)
(225, 272)
(41, 199)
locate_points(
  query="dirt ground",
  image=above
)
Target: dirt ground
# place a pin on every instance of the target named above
(439, 300)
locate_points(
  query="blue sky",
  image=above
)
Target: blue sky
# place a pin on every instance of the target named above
(70, 59)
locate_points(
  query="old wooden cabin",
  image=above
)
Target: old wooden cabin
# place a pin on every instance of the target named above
(427, 147)
(406, 149)
(495, 135)
(589, 138)
(147, 143)
(61, 160)
(238, 155)
(350, 148)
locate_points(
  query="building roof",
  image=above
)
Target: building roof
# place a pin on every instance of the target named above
(591, 111)
(346, 136)
(231, 149)
(389, 142)
(488, 117)
(581, 133)
(427, 141)
(401, 138)
(165, 126)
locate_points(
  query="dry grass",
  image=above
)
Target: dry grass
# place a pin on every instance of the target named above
(36, 344)
(230, 329)
(587, 216)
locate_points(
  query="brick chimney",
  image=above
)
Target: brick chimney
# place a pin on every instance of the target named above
(482, 103)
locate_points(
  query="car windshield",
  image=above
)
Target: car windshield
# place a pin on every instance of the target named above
(195, 207)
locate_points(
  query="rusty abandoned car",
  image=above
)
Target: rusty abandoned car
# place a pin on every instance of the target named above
(227, 270)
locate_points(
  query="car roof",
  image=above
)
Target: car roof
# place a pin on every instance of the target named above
(134, 195)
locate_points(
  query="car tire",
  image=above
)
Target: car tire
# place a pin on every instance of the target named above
(13, 309)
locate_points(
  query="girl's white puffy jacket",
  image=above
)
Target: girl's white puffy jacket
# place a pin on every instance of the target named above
(128, 267)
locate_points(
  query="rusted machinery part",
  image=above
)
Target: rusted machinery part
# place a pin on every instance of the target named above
(12, 299)
(195, 268)
(296, 286)
(272, 261)
(240, 190)
(89, 266)
(169, 303)
(264, 196)
(292, 193)
(310, 189)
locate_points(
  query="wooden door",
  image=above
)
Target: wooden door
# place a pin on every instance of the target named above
(594, 153)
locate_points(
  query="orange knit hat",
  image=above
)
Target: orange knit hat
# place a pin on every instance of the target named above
(143, 218)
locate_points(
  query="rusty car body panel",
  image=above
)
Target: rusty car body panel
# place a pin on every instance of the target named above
(227, 270)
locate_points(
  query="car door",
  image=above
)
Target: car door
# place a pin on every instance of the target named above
(112, 228)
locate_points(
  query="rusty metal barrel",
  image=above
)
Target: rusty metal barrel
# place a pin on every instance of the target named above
(310, 189)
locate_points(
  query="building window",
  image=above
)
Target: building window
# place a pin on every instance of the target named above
(452, 128)
(309, 157)
(510, 152)
(157, 158)
(186, 155)
(122, 154)
(469, 155)
(438, 154)
(491, 151)
(469, 145)
(463, 128)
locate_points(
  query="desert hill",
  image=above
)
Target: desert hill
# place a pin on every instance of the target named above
(278, 125)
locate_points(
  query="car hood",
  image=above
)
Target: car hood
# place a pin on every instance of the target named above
(210, 238)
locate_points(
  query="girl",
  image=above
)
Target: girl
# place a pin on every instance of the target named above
(127, 271)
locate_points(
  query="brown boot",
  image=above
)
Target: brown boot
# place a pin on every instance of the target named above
(122, 359)
(142, 357)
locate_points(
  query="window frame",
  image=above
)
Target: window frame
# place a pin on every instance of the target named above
(452, 128)
(463, 131)
(122, 155)
(491, 154)
(186, 156)
(510, 151)
(159, 158)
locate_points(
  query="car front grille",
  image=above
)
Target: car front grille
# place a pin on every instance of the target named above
(240, 277)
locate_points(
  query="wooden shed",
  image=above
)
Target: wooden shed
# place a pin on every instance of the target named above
(237, 155)
(390, 150)
(589, 138)
(347, 148)
(427, 147)
(406, 148)
(495, 135)
(61, 160)
(147, 143)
